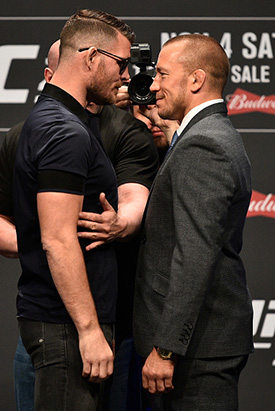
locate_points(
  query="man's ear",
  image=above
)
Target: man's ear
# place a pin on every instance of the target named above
(90, 56)
(48, 74)
(198, 79)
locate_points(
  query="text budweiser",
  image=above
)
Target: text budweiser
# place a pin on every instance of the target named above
(261, 205)
(243, 102)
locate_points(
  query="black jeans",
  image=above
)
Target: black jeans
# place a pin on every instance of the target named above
(54, 351)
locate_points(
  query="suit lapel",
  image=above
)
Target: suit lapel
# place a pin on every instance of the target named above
(213, 109)
(208, 111)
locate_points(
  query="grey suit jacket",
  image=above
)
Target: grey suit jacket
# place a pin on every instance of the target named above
(191, 295)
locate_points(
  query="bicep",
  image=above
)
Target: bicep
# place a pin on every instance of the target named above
(132, 193)
(132, 199)
(58, 214)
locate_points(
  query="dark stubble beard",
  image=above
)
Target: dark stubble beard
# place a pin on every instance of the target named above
(99, 98)
(98, 92)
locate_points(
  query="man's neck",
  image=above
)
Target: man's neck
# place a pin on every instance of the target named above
(194, 111)
(75, 89)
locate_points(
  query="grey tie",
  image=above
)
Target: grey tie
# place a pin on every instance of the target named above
(174, 138)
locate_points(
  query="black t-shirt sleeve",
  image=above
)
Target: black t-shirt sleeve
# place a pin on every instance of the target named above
(130, 146)
(64, 160)
(60, 181)
(137, 158)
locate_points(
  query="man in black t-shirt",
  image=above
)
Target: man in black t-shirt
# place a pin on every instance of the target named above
(130, 146)
(60, 168)
(132, 152)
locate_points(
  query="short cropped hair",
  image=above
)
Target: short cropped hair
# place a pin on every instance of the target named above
(206, 53)
(92, 25)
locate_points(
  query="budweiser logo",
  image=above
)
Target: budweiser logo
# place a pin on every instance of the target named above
(244, 102)
(261, 205)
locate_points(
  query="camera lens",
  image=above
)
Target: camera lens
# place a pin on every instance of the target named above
(139, 89)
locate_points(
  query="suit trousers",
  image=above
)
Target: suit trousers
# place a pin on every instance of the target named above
(205, 384)
(55, 355)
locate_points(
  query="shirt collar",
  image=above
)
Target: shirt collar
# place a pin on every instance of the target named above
(195, 111)
(67, 100)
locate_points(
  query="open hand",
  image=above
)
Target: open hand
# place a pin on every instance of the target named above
(103, 228)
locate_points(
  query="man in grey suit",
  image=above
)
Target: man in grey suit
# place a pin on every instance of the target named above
(193, 313)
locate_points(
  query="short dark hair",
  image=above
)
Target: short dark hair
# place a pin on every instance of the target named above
(109, 19)
(98, 24)
(206, 53)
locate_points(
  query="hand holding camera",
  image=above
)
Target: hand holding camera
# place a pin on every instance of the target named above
(139, 87)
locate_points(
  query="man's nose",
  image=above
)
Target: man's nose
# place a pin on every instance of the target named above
(125, 77)
(154, 86)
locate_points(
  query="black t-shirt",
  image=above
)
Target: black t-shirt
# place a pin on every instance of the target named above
(57, 151)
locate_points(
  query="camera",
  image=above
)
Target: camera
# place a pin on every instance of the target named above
(139, 87)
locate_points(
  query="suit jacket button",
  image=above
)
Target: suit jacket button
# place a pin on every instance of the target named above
(184, 340)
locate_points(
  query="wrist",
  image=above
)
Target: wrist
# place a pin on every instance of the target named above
(163, 353)
(123, 228)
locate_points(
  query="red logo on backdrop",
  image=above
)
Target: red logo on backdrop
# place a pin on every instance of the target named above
(261, 205)
(244, 102)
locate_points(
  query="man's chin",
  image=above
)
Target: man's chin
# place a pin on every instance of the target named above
(163, 114)
(161, 111)
(108, 100)
(111, 99)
